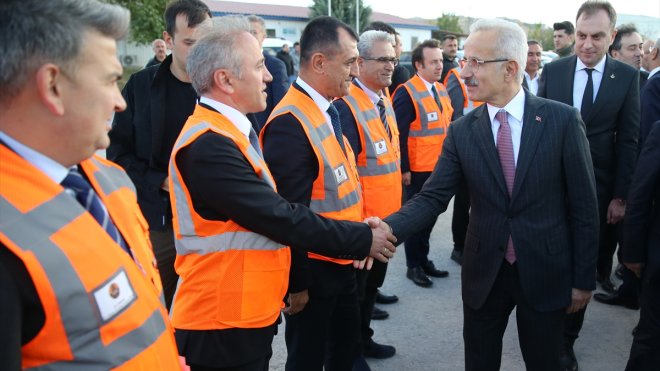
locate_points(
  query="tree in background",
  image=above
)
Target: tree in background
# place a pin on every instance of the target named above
(541, 34)
(449, 22)
(146, 19)
(343, 10)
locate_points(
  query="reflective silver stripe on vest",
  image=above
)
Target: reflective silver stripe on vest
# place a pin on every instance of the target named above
(332, 202)
(372, 168)
(111, 178)
(416, 97)
(32, 232)
(189, 242)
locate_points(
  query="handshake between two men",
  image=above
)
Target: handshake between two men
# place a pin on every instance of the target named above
(382, 244)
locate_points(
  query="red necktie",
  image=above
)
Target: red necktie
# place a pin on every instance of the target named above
(507, 161)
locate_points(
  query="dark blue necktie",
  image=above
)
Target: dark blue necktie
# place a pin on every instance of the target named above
(254, 141)
(336, 125)
(77, 186)
(588, 97)
(436, 97)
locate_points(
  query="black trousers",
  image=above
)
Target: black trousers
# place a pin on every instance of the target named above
(162, 242)
(326, 332)
(417, 245)
(539, 333)
(645, 349)
(257, 365)
(368, 282)
(461, 216)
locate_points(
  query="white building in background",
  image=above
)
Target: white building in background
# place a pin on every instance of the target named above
(282, 21)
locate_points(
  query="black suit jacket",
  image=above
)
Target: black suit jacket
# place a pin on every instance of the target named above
(552, 215)
(642, 221)
(650, 106)
(612, 124)
(275, 89)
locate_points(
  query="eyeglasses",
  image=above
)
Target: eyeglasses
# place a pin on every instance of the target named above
(474, 63)
(383, 60)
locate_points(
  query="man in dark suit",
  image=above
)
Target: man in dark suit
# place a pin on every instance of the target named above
(218, 174)
(274, 89)
(641, 250)
(312, 164)
(533, 231)
(651, 94)
(607, 93)
(159, 100)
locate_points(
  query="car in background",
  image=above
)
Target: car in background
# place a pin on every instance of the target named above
(405, 60)
(272, 45)
(547, 56)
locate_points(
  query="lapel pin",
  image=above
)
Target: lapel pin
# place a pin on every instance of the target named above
(611, 76)
(538, 119)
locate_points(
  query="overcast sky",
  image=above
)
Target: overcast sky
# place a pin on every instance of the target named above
(544, 11)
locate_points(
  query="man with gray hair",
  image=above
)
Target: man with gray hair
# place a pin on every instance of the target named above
(78, 281)
(533, 231)
(232, 228)
(369, 124)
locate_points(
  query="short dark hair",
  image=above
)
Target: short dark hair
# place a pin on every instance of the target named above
(380, 26)
(320, 35)
(447, 37)
(566, 26)
(195, 10)
(418, 52)
(590, 7)
(621, 31)
(296, 43)
(534, 42)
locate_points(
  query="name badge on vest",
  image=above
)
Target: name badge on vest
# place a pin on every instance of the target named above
(380, 147)
(432, 116)
(340, 174)
(113, 296)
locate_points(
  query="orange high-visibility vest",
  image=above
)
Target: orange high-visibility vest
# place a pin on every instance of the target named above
(428, 131)
(230, 277)
(336, 191)
(468, 105)
(103, 308)
(378, 164)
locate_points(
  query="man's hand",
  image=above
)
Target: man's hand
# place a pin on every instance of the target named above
(637, 268)
(616, 211)
(580, 298)
(382, 241)
(405, 177)
(166, 185)
(297, 302)
(364, 263)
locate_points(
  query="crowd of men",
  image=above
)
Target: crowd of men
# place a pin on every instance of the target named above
(242, 189)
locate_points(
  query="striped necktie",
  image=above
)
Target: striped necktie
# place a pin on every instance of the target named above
(383, 116)
(78, 187)
(336, 125)
(507, 161)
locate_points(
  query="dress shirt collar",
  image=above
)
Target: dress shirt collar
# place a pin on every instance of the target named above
(600, 66)
(238, 119)
(320, 101)
(515, 107)
(529, 78)
(373, 96)
(654, 71)
(428, 85)
(53, 169)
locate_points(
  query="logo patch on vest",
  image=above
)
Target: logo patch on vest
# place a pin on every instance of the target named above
(380, 147)
(340, 174)
(432, 116)
(113, 296)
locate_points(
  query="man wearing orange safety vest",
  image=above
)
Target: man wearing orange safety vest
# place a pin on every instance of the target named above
(313, 164)
(78, 280)
(368, 122)
(423, 113)
(461, 104)
(232, 230)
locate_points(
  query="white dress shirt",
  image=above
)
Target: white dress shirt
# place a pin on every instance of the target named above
(235, 117)
(322, 103)
(516, 109)
(53, 169)
(429, 85)
(580, 80)
(532, 83)
(373, 96)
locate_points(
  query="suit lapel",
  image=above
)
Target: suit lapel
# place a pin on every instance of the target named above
(484, 134)
(608, 82)
(529, 139)
(568, 79)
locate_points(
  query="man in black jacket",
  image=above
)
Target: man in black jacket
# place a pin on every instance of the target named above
(160, 99)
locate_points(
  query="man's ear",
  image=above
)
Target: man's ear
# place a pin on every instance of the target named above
(51, 87)
(317, 61)
(223, 80)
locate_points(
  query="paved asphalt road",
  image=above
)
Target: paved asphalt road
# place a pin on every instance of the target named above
(425, 325)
